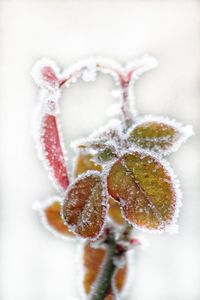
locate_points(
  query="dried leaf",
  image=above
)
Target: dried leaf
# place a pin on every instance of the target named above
(52, 216)
(144, 189)
(84, 163)
(93, 258)
(156, 135)
(52, 150)
(85, 206)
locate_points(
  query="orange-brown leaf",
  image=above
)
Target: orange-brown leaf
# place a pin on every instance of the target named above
(155, 135)
(120, 277)
(93, 259)
(84, 163)
(109, 297)
(52, 216)
(114, 212)
(84, 207)
(145, 190)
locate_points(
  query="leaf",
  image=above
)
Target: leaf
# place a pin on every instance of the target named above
(93, 259)
(106, 154)
(52, 150)
(114, 212)
(113, 131)
(144, 189)
(46, 74)
(158, 135)
(121, 276)
(84, 207)
(51, 214)
(84, 163)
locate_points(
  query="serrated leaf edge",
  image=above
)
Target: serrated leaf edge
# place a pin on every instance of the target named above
(105, 203)
(39, 206)
(185, 130)
(171, 226)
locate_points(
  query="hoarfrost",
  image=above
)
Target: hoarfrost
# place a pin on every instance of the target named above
(167, 226)
(184, 132)
(141, 65)
(84, 219)
(46, 74)
(40, 206)
(50, 80)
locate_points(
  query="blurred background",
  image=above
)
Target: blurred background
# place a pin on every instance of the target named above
(34, 265)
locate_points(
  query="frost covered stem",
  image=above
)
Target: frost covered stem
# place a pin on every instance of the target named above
(125, 107)
(107, 272)
(87, 70)
(109, 267)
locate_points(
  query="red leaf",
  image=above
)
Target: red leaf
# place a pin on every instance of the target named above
(84, 207)
(49, 75)
(53, 151)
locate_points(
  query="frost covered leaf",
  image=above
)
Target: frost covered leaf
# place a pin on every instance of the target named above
(93, 259)
(84, 163)
(85, 206)
(46, 74)
(144, 189)
(52, 216)
(114, 212)
(158, 135)
(106, 154)
(108, 136)
(53, 151)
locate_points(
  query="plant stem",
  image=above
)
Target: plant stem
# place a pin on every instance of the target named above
(109, 267)
(106, 273)
(125, 108)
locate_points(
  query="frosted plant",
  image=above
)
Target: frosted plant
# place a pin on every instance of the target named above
(120, 178)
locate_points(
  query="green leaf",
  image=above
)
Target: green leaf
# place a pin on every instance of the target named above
(84, 207)
(144, 189)
(158, 135)
(106, 154)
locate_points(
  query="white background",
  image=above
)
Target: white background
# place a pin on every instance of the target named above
(33, 264)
